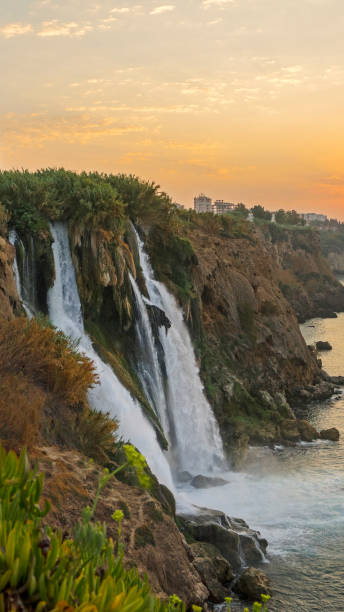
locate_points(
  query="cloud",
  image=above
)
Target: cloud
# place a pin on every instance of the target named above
(122, 10)
(214, 21)
(15, 29)
(216, 3)
(55, 28)
(34, 130)
(165, 8)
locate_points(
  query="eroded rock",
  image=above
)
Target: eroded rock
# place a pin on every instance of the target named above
(331, 434)
(231, 536)
(307, 432)
(323, 346)
(214, 570)
(252, 583)
(206, 482)
(289, 430)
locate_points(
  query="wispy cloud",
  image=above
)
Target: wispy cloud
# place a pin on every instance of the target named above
(15, 29)
(216, 3)
(55, 28)
(165, 8)
(37, 129)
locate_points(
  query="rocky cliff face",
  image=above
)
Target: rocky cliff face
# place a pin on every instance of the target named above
(305, 277)
(336, 262)
(150, 536)
(9, 300)
(245, 331)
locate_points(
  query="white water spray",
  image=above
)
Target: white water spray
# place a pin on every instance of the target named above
(13, 238)
(109, 396)
(194, 433)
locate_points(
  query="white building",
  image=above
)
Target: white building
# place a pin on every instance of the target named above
(221, 207)
(202, 204)
(314, 218)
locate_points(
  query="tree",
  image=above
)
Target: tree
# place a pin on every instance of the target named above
(241, 210)
(259, 212)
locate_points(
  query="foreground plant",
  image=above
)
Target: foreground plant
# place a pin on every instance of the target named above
(256, 607)
(40, 570)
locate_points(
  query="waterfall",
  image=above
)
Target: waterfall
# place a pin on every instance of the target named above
(194, 433)
(23, 293)
(149, 368)
(109, 396)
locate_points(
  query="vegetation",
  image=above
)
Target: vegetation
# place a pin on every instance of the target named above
(289, 217)
(259, 212)
(43, 387)
(42, 570)
(332, 241)
(91, 199)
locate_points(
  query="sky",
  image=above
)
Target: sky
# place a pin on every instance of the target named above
(239, 99)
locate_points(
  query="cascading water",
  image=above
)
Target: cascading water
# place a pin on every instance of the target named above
(109, 396)
(23, 292)
(149, 368)
(194, 433)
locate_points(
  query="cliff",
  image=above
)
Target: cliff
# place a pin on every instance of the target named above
(332, 246)
(305, 276)
(227, 274)
(237, 284)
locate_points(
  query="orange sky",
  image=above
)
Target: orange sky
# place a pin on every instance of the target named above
(240, 99)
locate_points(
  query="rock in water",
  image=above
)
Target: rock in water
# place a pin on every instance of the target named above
(252, 583)
(307, 432)
(323, 346)
(337, 380)
(184, 476)
(330, 434)
(206, 482)
(233, 538)
(289, 430)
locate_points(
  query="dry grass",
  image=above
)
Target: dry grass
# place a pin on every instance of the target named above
(21, 410)
(43, 386)
(45, 356)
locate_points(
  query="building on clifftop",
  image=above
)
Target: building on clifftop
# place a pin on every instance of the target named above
(221, 207)
(202, 204)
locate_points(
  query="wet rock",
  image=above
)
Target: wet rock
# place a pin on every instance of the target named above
(252, 583)
(184, 476)
(330, 434)
(315, 393)
(289, 430)
(158, 317)
(214, 569)
(337, 380)
(232, 537)
(323, 346)
(206, 482)
(307, 432)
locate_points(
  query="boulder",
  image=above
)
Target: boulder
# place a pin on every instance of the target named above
(289, 430)
(307, 432)
(215, 571)
(184, 476)
(236, 542)
(323, 346)
(330, 434)
(206, 482)
(252, 583)
(337, 380)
